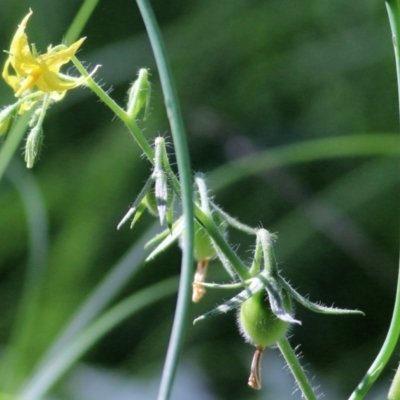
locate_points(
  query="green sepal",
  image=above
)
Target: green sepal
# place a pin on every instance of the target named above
(137, 203)
(33, 145)
(138, 214)
(171, 238)
(227, 286)
(277, 298)
(233, 222)
(169, 216)
(318, 308)
(165, 233)
(139, 95)
(255, 286)
(161, 193)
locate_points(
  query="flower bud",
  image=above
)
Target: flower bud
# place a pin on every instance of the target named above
(139, 95)
(33, 145)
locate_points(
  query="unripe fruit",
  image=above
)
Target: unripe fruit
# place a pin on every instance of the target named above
(258, 324)
(203, 248)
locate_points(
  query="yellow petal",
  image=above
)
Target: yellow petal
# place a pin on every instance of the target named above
(49, 81)
(12, 80)
(33, 75)
(43, 70)
(20, 54)
(54, 60)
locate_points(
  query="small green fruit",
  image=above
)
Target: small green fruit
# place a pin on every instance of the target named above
(203, 248)
(258, 324)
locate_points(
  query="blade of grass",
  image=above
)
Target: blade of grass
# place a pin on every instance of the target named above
(183, 162)
(32, 200)
(393, 10)
(80, 20)
(36, 389)
(382, 144)
(98, 300)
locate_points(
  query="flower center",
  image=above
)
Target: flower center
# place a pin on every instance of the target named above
(33, 75)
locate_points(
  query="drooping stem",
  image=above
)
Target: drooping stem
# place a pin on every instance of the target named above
(183, 162)
(393, 9)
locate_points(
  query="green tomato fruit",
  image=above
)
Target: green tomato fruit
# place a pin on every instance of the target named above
(203, 248)
(258, 324)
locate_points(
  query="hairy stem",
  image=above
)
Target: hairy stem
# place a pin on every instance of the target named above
(297, 370)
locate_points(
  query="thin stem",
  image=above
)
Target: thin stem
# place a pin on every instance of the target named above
(117, 110)
(393, 10)
(91, 335)
(297, 370)
(183, 162)
(80, 20)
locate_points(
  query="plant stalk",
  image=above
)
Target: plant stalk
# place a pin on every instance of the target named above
(297, 370)
(184, 169)
(80, 20)
(393, 10)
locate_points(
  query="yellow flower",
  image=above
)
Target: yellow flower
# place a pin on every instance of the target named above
(40, 70)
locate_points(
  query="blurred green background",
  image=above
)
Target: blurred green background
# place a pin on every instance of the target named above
(251, 75)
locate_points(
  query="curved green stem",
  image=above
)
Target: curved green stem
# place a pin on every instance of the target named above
(183, 162)
(12, 363)
(297, 370)
(383, 356)
(393, 9)
(80, 20)
(87, 338)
